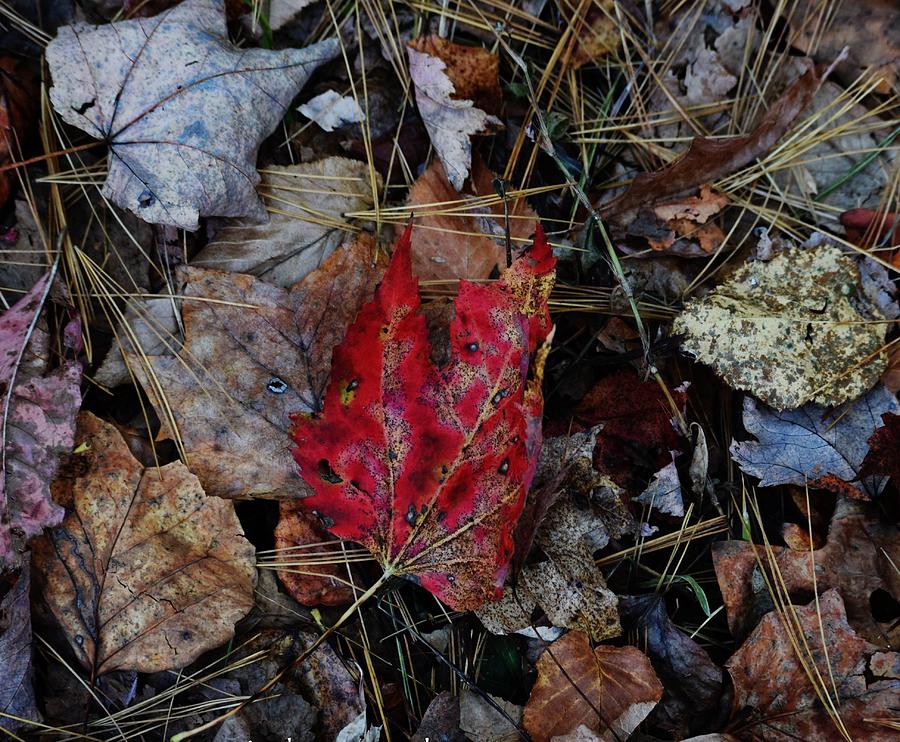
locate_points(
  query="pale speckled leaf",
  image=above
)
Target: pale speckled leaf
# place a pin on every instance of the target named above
(39, 426)
(450, 123)
(182, 109)
(786, 328)
(308, 202)
(148, 572)
(16, 690)
(811, 443)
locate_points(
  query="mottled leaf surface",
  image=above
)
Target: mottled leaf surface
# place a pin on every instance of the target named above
(790, 330)
(428, 466)
(182, 109)
(770, 679)
(813, 445)
(148, 572)
(254, 354)
(38, 419)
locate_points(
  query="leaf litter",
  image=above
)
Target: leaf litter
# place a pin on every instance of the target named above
(639, 477)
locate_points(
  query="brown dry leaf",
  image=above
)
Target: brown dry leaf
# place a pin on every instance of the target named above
(708, 159)
(307, 204)
(474, 71)
(608, 689)
(868, 29)
(859, 559)
(462, 240)
(312, 583)
(769, 678)
(148, 572)
(234, 416)
(597, 31)
(450, 121)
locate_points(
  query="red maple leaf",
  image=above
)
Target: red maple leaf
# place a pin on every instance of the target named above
(428, 466)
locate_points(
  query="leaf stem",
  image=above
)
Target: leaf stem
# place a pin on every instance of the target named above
(299, 660)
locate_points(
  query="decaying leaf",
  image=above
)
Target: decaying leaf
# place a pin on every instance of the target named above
(458, 239)
(148, 572)
(428, 467)
(450, 122)
(482, 722)
(770, 679)
(608, 689)
(307, 223)
(858, 559)
(440, 721)
(313, 581)
(814, 446)
(283, 12)
(38, 421)
(597, 29)
(790, 330)
(708, 159)
(278, 344)
(331, 110)
(162, 93)
(16, 690)
(692, 681)
(19, 102)
(567, 585)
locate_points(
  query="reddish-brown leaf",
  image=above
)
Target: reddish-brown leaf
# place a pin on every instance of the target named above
(858, 559)
(428, 466)
(770, 678)
(310, 580)
(19, 96)
(884, 450)
(709, 159)
(609, 690)
(637, 425)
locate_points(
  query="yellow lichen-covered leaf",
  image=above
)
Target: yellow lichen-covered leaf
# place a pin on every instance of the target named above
(790, 331)
(148, 572)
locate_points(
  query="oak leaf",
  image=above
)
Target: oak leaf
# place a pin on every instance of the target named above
(38, 421)
(770, 678)
(427, 466)
(148, 572)
(450, 122)
(182, 109)
(456, 236)
(790, 330)
(812, 446)
(610, 690)
(277, 343)
(857, 559)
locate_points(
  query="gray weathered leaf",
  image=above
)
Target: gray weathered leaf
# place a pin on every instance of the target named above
(790, 331)
(16, 691)
(450, 123)
(664, 491)
(307, 204)
(182, 109)
(331, 110)
(812, 444)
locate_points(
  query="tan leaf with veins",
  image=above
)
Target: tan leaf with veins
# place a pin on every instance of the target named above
(253, 355)
(610, 690)
(450, 122)
(148, 572)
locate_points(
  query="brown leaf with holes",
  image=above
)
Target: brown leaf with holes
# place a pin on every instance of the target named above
(771, 680)
(277, 343)
(148, 572)
(858, 559)
(709, 159)
(474, 71)
(311, 579)
(610, 690)
(455, 237)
